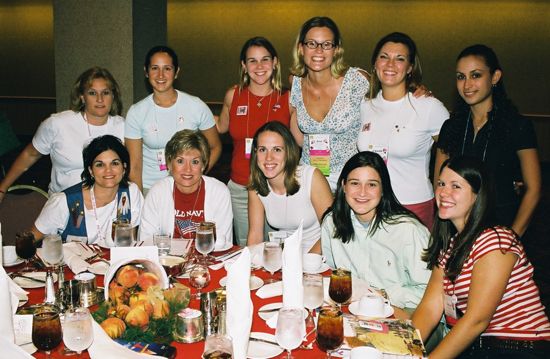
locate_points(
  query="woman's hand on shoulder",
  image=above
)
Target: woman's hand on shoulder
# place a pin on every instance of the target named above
(222, 122)
(422, 90)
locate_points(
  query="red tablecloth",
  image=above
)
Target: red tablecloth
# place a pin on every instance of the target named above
(193, 350)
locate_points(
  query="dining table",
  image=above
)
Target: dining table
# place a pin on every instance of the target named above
(195, 350)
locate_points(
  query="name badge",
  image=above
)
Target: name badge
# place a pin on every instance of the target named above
(247, 147)
(161, 160)
(382, 150)
(278, 236)
(450, 306)
(319, 152)
(242, 110)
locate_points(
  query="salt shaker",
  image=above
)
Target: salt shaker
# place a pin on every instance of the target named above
(50, 289)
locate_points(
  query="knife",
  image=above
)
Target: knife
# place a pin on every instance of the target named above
(29, 278)
(226, 256)
(264, 341)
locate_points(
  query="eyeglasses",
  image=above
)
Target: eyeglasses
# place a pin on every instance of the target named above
(326, 45)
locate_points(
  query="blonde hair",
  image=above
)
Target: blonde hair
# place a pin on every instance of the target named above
(244, 79)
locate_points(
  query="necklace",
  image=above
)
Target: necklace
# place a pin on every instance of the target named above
(259, 106)
(315, 97)
(192, 210)
(489, 133)
(100, 233)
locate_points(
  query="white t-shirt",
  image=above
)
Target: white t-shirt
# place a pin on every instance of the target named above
(55, 215)
(155, 125)
(63, 136)
(403, 129)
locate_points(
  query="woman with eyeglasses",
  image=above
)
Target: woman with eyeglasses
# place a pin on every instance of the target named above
(326, 95)
(151, 122)
(488, 126)
(257, 99)
(94, 111)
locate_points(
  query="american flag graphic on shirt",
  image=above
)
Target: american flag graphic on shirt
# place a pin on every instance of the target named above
(186, 226)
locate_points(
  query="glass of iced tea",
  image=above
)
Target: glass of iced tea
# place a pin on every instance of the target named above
(330, 329)
(46, 329)
(25, 248)
(339, 289)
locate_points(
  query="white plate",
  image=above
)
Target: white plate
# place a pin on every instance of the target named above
(99, 268)
(255, 282)
(18, 261)
(268, 315)
(323, 268)
(28, 284)
(29, 348)
(259, 350)
(354, 309)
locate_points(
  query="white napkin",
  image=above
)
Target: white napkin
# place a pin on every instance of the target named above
(270, 290)
(12, 351)
(104, 347)
(10, 293)
(74, 255)
(239, 304)
(293, 289)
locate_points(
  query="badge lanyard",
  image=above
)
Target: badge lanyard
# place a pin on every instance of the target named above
(100, 234)
(161, 159)
(248, 140)
(489, 123)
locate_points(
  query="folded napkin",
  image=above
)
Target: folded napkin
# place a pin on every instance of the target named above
(239, 304)
(12, 351)
(10, 293)
(293, 289)
(104, 347)
(74, 256)
(270, 290)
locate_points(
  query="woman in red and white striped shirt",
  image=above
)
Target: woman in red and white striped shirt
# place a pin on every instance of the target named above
(481, 278)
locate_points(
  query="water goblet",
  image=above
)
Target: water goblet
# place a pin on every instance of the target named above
(199, 277)
(124, 235)
(204, 241)
(46, 328)
(163, 243)
(290, 329)
(77, 329)
(313, 295)
(25, 248)
(330, 329)
(52, 250)
(272, 259)
(340, 286)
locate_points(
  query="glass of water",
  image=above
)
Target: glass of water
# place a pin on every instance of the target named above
(124, 235)
(52, 250)
(204, 241)
(163, 243)
(313, 294)
(273, 259)
(77, 329)
(290, 328)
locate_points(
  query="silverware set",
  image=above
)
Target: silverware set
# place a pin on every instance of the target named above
(93, 252)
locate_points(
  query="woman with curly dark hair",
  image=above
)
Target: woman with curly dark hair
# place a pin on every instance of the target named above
(488, 126)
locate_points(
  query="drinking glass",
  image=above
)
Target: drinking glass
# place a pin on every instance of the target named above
(273, 259)
(163, 243)
(290, 329)
(124, 235)
(52, 250)
(46, 328)
(330, 329)
(218, 346)
(24, 247)
(199, 277)
(204, 241)
(339, 289)
(77, 329)
(313, 295)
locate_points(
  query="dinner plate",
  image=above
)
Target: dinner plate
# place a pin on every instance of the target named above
(28, 283)
(99, 268)
(255, 282)
(354, 309)
(259, 350)
(323, 268)
(266, 312)
(18, 261)
(29, 348)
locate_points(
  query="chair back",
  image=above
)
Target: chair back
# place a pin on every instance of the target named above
(19, 209)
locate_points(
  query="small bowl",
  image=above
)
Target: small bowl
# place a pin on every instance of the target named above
(173, 265)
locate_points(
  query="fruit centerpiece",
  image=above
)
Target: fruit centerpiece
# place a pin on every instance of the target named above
(137, 307)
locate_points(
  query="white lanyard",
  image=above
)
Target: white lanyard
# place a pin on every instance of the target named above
(100, 234)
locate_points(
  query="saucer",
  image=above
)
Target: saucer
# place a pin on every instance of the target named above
(354, 309)
(17, 261)
(99, 268)
(255, 282)
(323, 268)
(266, 313)
(259, 350)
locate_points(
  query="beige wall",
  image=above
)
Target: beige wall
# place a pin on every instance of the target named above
(208, 34)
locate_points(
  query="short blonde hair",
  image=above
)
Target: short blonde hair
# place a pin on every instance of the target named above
(186, 140)
(85, 80)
